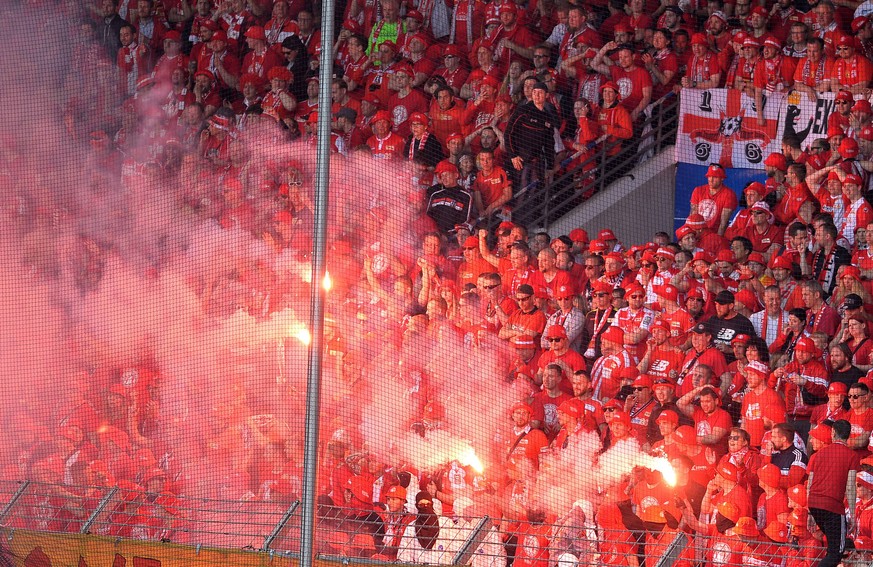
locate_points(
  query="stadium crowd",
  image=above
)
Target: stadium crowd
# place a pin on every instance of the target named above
(738, 348)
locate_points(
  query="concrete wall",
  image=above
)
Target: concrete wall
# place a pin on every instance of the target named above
(635, 209)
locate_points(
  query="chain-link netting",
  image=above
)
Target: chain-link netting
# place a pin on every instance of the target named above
(492, 392)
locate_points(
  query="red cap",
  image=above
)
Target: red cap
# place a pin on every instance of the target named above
(415, 15)
(695, 221)
(445, 166)
(852, 179)
(685, 435)
(760, 10)
(611, 85)
(579, 235)
(573, 407)
(866, 133)
(606, 234)
(716, 170)
(173, 35)
(728, 471)
(746, 527)
(556, 332)
(683, 231)
(859, 23)
(806, 344)
(699, 39)
(382, 115)
(777, 531)
(418, 118)
(621, 416)
(523, 341)
(520, 406)
(822, 432)
(668, 291)
(838, 388)
(777, 160)
(454, 136)
(771, 41)
(797, 494)
(219, 36)
(279, 72)
(729, 510)
(845, 41)
(597, 246)
(862, 105)
(372, 98)
(740, 339)
(780, 262)
(643, 381)
(396, 491)
(668, 416)
(613, 334)
(770, 475)
(256, 32)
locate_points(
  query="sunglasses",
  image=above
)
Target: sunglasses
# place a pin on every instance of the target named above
(639, 388)
(646, 264)
(856, 396)
(601, 294)
(735, 437)
(525, 298)
(490, 286)
(609, 409)
(637, 296)
(470, 248)
(555, 339)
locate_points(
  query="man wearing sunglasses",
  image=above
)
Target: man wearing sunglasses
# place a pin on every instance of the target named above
(528, 320)
(599, 318)
(860, 416)
(852, 71)
(635, 320)
(557, 342)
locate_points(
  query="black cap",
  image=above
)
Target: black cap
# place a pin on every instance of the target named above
(725, 297)
(540, 85)
(853, 301)
(700, 329)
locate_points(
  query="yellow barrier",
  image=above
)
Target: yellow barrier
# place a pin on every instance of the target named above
(39, 549)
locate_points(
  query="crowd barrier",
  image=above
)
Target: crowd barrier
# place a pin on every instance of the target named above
(68, 525)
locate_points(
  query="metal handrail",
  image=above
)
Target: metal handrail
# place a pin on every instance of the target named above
(541, 206)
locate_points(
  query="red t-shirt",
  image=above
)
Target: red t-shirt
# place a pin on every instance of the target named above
(758, 406)
(711, 206)
(631, 84)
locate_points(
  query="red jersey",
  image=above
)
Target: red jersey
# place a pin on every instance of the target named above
(856, 70)
(391, 146)
(402, 108)
(710, 206)
(631, 84)
(491, 186)
(757, 406)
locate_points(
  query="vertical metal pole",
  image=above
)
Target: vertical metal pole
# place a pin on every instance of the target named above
(317, 295)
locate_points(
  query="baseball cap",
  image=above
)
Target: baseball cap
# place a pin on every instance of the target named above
(853, 301)
(740, 339)
(597, 246)
(382, 115)
(219, 36)
(862, 105)
(572, 407)
(578, 235)
(396, 491)
(725, 297)
(668, 416)
(643, 381)
(685, 435)
(838, 388)
(780, 263)
(418, 118)
(520, 406)
(256, 32)
(556, 331)
(797, 494)
(415, 15)
(700, 329)
(805, 344)
(445, 166)
(728, 471)
(777, 160)
(698, 39)
(758, 367)
(471, 242)
(606, 234)
(848, 148)
(523, 341)
(770, 475)
(613, 334)
(715, 170)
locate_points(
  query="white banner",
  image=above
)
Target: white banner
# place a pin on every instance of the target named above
(721, 125)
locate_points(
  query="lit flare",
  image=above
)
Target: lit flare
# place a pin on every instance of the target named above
(468, 458)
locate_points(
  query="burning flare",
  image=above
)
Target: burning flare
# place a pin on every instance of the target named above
(468, 458)
(664, 467)
(327, 283)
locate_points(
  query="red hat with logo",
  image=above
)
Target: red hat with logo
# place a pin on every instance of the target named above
(772, 41)
(760, 10)
(520, 406)
(852, 179)
(660, 324)
(683, 231)
(667, 291)
(564, 292)
(668, 416)
(573, 407)
(866, 134)
(621, 416)
(597, 246)
(396, 491)
(758, 368)
(606, 234)
(613, 334)
(699, 39)
(556, 332)
(454, 136)
(728, 471)
(806, 344)
(415, 15)
(845, 41)
(685, 435)
(839, 388)
(780, 263)
(600, 286)
(716, 170)
(418, 118)
(776, 531)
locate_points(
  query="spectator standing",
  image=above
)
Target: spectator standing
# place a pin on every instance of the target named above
(829, 470)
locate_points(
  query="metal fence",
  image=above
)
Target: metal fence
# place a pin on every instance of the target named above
(544, 203)
(614, 535)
